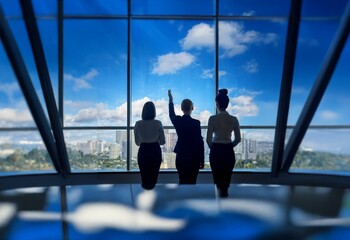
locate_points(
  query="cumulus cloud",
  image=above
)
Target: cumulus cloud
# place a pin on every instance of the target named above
(209, 73)
(14, 117)
(251, 66)
(172, 62)
(100, 114)
(233, 38)
(199, 36)
(82, 81)
(243, 106)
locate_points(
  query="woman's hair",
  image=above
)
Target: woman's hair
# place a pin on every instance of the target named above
(148, 111)
(186, 105)
(222, 98)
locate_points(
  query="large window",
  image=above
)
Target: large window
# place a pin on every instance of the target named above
(326, 143)
(106, 58)
(22, 149)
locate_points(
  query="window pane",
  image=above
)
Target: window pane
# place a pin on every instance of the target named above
(323, 8)
(314, 40)
(45, 7)
(171, 55)
(324, 150)
(255, 150)
(49, 38)
(334, 107)
(14, 111)
(11, 8)
(90, 150)
(19, 32)
(251, 60)
(254, 7)
(171, 7)
(95, 7)
(95, 57)
(23, 152)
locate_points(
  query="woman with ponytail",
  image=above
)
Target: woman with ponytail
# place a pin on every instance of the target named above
(222, 156)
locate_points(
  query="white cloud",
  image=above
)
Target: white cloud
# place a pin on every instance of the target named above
(82, 81)
(100, 114)
(198, 37)
(10, 117)
(6, 152)
(328, 115)
(233, 38)
(209, 73)
(249, 13)
(203, 117)
(251, 66)
(9, 89)
(243, 106)
(172, 62)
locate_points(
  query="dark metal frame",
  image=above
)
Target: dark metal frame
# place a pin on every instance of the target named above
(286, 85)
(46, 85)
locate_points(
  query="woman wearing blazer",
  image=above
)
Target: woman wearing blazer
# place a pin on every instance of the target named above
(189, 148)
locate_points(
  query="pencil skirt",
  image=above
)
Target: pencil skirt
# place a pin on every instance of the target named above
(222, 161)
(149, 159)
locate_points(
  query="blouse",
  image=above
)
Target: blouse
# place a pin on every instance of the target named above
(149, 131)
(221, 126)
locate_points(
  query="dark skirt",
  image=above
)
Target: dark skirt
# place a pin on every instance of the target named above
(222, 161)
(149, 159)
(187, 167)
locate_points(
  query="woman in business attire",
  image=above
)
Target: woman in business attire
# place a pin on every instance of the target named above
(222, 156)
(149, 135)
(189, 147)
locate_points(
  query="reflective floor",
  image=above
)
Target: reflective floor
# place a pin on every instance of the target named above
(171, 211)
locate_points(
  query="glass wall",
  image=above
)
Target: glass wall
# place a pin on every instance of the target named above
(108, 57)
(325, 146)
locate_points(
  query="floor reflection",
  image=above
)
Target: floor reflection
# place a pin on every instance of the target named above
(126, 211)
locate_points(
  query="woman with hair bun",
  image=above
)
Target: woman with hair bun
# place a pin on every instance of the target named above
(222, 156)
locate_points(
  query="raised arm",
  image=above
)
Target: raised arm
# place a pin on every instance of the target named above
(171, 107)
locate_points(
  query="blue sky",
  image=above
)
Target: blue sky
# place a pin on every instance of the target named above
(179, 55)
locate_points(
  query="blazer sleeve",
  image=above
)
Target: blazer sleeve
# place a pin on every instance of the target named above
(172, 115)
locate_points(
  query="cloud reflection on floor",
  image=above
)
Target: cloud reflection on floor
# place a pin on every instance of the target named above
(94, 217)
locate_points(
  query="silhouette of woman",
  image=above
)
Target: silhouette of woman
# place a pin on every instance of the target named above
(222, 156)
(149, 135)
(189, 148)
